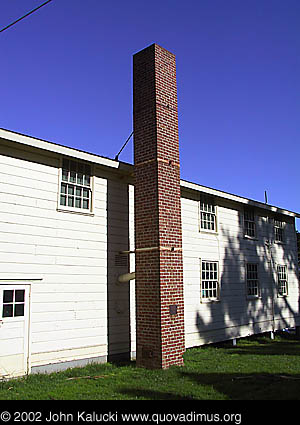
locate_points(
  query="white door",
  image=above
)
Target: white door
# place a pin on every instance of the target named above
(14, 329)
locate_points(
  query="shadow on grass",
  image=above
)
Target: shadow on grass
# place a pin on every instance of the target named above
(140, 393)
(284, 344)
(265, 350)
(257, 386)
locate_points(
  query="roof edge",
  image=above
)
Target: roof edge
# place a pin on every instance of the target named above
(107, 162)
(236, 198)
(56, 148)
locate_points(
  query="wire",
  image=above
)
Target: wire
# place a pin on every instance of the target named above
(27, 14)
(117, 156)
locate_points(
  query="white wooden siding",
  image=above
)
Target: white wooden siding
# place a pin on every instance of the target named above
(79, 309)
(234, 314)
(68, 318)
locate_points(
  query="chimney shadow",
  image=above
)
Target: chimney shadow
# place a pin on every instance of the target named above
(118, 294)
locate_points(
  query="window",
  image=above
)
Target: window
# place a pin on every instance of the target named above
(13, 303)
(282, 280)
(208, 215)
(278, 230)
(252, 280)
(209, 280)
(249, 223)
(75, 186)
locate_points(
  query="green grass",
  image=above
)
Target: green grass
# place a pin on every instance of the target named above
(257, 368)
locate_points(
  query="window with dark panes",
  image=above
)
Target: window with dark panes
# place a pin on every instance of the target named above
(13, 303)
(252, 280)
(249, 223)
(282, 280)
(278, 230)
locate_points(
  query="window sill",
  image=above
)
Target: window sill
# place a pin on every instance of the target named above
(75, 212)
(209, 300)
(280, 242)
(209, 232)
(253, 297)
(251, 238)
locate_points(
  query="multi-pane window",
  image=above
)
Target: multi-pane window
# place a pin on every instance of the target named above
(75, 186)
(209, 280)
(278, 230)
(13, 303)
(249, 223)
(207, 215)
(252, 280)
(282, 280)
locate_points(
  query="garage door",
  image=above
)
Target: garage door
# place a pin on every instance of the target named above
(14, 329)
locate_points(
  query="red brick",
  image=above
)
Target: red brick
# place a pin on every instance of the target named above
(159, 281)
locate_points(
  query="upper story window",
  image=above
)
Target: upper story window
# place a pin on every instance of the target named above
(249, 223)
(252, 280)
(75, 186)
(209, 280)
(208, 215)
(282, 280)
(278, 230)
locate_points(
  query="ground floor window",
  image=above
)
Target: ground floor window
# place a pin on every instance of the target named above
(209, 280)
(282, 280)
(252, 280)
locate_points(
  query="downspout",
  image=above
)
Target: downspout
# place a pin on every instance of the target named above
(269, 248)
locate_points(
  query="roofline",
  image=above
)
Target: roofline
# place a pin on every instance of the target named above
(56, 148)
(235, 198)
(107, 162)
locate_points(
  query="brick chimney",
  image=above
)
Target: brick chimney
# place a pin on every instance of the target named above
(158, 233)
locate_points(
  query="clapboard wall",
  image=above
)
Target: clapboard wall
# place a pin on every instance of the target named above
(78, 309)
(68, 258)
(234, 314)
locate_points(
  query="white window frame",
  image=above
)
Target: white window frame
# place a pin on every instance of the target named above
(13, 303)
(250, 210)
(76, 185)
(282, 278)
(210, 203)
(280, 225)
(250, 279)
(205, 299)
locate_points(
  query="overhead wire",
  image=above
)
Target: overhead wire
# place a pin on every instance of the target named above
(25, 16)
(117, 156)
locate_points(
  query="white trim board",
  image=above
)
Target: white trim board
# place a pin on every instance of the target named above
(96, 159)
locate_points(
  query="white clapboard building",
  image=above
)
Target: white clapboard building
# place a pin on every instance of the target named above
(67, 235)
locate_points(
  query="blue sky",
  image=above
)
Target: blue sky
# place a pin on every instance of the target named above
(66, 76)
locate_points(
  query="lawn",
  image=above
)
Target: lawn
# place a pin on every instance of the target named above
(256, 368)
